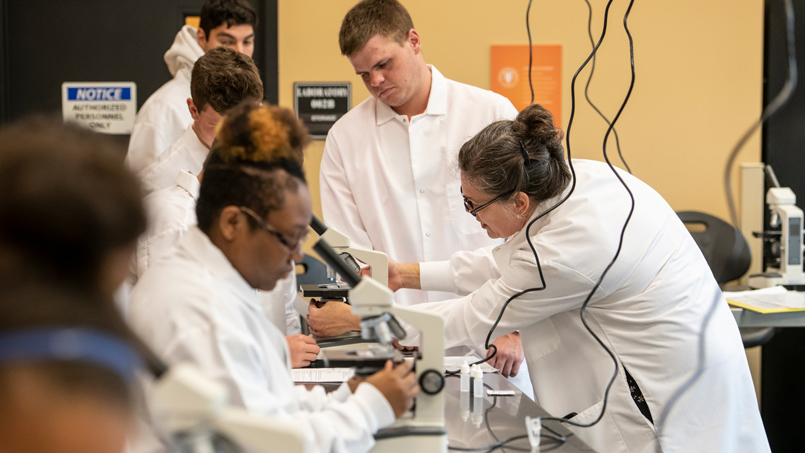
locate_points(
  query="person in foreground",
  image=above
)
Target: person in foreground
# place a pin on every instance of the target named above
(648, 311)
(198, 303)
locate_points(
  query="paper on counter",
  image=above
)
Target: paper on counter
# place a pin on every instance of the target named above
(775, 299)
(321, 375)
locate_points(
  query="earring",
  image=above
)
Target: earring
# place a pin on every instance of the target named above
(518, 216)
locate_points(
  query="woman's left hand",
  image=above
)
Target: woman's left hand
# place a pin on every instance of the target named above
(509, 354)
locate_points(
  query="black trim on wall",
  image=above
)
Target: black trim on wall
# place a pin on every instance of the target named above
(4, 88)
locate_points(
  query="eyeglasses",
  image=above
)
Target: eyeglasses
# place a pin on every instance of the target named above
(292, 246)
(474, 210)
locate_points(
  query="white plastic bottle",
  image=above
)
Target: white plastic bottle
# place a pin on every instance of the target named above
(465, 377)
(478, 382)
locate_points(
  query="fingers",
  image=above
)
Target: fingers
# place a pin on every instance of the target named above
(516, 367)
(365, 272)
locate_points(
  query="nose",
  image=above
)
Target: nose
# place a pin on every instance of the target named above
(376, 78)
(297, 255)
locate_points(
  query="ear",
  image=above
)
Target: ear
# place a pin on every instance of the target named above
(231, 223)
(521, 203)
(201, 38)
(193, 110)
(414, 40)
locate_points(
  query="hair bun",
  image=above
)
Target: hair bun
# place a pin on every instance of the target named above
(535, 124)
(260, 133)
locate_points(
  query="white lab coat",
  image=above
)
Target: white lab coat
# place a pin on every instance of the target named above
(164, 115)
(390, 184)
(193, 306)
(171, 212)
(648, 311)
(185, 154)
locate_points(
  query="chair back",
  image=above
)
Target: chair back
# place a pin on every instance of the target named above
(723, 246)
(311, 271)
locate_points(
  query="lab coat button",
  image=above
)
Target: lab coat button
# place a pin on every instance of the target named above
(421, 190)
(427, 234)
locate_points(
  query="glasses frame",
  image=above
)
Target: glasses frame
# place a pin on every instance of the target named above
(270, 230)
(469, 207)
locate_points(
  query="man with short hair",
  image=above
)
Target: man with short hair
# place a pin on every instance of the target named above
(221, 79)
(388, 176)
(163, 117)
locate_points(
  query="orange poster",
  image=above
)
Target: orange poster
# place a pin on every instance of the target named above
(509, 76)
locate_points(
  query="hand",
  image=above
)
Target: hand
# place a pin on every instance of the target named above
(397, 384)
(354, 382)
(509, 356)
(303, 350)
(331, 319)
(400, 275)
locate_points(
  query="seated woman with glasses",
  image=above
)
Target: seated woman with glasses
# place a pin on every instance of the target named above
(555, 281)
(198, 303)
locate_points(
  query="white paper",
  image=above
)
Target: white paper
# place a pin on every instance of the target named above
(773, 298)
(322, 374)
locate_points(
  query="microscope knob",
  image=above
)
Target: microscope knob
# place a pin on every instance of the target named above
(431, 381)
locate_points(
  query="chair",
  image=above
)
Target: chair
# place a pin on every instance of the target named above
(312, 272)
(728, 255)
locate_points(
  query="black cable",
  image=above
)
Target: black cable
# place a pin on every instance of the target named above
(530, 50)
(774, 106)
(582, 311)
(590, 79)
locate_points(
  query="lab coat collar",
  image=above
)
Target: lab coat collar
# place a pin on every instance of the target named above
(199, 246)
(188, 182)
(194, 146)
(437, 100)
(541, 208)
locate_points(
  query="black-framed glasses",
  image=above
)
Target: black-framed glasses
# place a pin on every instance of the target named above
(270, 230)
(472, 209)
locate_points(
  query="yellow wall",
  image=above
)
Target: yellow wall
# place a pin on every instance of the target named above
(699, 75)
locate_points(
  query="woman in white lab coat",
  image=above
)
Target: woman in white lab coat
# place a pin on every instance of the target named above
(648, 311)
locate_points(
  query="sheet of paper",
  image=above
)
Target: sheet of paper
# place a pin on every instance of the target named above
(321, 374)
(768, 300)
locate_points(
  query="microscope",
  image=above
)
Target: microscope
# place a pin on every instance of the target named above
(338, 291)
(193, 411)
(422, 429)
(783, 248)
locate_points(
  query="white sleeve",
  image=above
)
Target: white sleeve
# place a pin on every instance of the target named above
(468, 319)
(145, 145)
(462, 274)
(333, 425)
(337, 203)
(292, 324)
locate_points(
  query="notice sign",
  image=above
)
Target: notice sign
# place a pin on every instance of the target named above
(105, 107)
(320, 105)
(509, 76)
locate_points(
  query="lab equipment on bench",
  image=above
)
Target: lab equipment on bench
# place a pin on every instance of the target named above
(784, 247)
(424, 429)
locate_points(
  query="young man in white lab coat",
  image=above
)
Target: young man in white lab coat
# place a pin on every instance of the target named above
(221, 79)
(387, 179)
(164, 117)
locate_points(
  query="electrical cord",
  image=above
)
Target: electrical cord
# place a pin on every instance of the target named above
(774, 106)
(530, 50)
(590, 79)
(498, 444)
(582, 311)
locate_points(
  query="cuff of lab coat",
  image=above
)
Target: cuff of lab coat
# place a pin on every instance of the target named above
(377, 404)
(437, 276)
